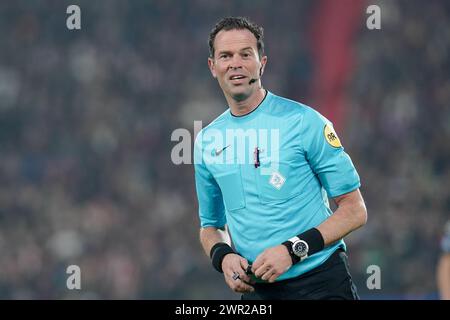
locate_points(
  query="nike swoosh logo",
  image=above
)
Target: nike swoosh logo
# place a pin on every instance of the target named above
(219, 151)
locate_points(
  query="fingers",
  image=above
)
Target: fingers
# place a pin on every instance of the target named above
(268, 266)
(258, 263)
(273, 277)
(266, 276)
(267, 272)
(271, 263)
(262, 270)
(234, 267)
(261, 266)
(236, 283)
(245, 277)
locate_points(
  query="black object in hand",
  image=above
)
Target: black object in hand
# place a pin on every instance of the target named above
(249, 269)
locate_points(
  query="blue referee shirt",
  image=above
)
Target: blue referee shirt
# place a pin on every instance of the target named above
(268, 176)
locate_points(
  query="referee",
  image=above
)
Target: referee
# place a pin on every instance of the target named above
(265, 219)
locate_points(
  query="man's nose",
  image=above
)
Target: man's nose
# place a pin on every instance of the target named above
(235, 62)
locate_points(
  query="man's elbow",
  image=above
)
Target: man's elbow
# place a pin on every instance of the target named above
(354, 207)
(361, 215)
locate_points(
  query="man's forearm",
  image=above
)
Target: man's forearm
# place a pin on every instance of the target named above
(209, 236)
(350, 215)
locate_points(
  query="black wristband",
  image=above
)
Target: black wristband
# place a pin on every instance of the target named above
(217, 253)
(294, 258)
(314, 239)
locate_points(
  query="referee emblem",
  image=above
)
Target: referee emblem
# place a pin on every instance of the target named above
(277, 180)
(331, 136)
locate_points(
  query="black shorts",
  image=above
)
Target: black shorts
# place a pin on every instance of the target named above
(329, 281)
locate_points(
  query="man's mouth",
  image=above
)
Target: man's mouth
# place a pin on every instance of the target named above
(237, 79)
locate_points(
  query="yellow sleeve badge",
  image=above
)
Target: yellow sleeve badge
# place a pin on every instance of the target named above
(331, 136)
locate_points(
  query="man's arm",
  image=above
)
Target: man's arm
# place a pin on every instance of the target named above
(209, 236)
(232, 263)
(443, 276)
(334, 168)
(350, 215)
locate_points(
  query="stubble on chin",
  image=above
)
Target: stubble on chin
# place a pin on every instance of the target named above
(239, 96)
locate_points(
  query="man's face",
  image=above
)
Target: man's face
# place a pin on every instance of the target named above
(236, 62)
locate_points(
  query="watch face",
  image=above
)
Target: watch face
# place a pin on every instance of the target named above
(300, 248)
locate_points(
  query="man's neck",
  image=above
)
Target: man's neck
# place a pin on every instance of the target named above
(243, 107)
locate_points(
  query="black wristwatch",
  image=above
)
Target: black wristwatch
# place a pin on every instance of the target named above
(297, 248)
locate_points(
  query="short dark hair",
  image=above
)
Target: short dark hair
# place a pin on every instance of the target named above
(237, 23)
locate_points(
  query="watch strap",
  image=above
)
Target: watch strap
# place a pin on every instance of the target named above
(288, 244)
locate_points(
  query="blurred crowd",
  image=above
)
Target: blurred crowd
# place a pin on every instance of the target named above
(85, 142)
(398, 130)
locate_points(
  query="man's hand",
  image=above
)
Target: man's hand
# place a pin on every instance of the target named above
(234, 265)
(272, 263)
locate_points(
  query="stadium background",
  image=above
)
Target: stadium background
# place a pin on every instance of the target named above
(86, 119)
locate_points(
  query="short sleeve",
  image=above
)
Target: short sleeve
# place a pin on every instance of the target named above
(209, 195)
(326, 155)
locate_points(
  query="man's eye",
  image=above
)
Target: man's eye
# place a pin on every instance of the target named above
(223, 56)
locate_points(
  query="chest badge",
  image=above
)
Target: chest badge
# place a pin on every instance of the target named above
(277, 180)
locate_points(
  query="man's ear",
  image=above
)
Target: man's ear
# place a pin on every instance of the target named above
(212, 67)
(263, 65)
